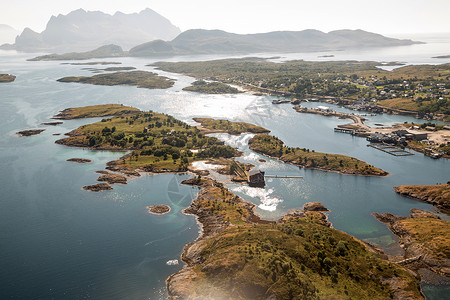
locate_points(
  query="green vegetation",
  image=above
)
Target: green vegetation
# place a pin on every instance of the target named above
(215, 87)
(140, 79)
(101, 52)
(230, 127)
(159, 142)
(423, 89)
(294, 258)
(7, 78)
(93, 111)
(274, 147)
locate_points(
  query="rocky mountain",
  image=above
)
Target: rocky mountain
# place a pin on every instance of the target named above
(199, 41)
(82, 30)
(7, 34)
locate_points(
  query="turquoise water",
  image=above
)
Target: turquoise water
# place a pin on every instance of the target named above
(58, 241)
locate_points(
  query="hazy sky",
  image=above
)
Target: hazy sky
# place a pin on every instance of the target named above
(249, 16)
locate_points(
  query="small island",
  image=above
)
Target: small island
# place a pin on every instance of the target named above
(104, 110)
(112, 178)
(30, 132)
(80, 160)
(7, 78)
(437, 195)
(209, 125)
(52, 123)
(141, 79)
(240, 256)
(274, 147)
(158, 209)
(98, 187)
(201, 86)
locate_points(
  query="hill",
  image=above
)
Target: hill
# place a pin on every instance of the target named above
(200, 41)
(7, 34)
(82, 30)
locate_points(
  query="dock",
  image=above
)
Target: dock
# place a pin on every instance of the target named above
(390, 149)
(282, 176)
(344, 130)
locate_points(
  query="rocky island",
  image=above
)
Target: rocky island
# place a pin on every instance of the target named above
(30, 132)
(141, 79)
(7, 78)
(158, 209)
(240, 256)
(80, 160)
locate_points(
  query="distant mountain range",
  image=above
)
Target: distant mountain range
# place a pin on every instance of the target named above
(7, 34)
(201, 41)
(82, 30)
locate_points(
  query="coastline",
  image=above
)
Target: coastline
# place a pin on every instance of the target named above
(187, 283)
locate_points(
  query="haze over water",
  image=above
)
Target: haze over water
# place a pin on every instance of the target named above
(58, 241)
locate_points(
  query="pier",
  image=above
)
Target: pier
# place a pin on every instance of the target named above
(344, 130)
(282, 176)
(390, 149)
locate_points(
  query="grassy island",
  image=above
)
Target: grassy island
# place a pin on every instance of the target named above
(418, 89)
(215, 87)
(7, 78)
(141, 79)
(212, 125)
(159, 142)
(240, 256)
(96, 111)
(274, 147)
(438, 195)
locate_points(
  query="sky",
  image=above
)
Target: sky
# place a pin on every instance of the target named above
(251, 16)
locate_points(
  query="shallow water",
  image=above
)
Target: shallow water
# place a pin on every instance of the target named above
(58, 241)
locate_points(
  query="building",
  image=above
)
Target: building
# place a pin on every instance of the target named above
(256, 177)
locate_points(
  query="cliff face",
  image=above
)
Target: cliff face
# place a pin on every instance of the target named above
(84, 30)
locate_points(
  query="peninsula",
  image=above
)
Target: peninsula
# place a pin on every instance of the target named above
(306, 158)
(141, 79)
(240, 256)
(425, 239)
(437, 195)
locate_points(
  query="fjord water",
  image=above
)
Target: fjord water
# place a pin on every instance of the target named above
(58, 241)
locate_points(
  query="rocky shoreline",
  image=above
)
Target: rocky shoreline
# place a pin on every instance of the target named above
(182, 285)
(210, 225)
(437, 195)
(343, 172)
(419, 253)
